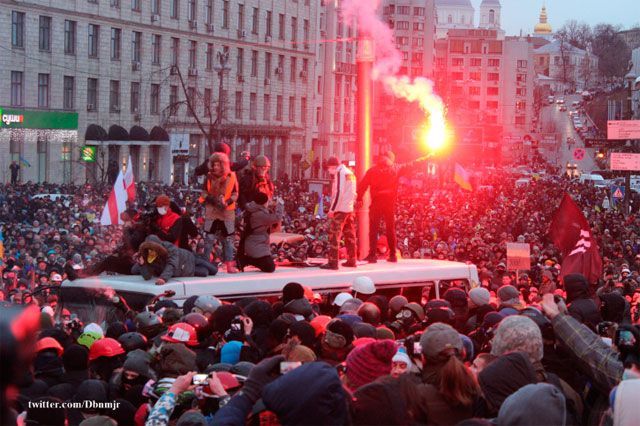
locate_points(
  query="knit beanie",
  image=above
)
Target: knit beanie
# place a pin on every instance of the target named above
(518, 333)
(383, 333)
(508, 295)
(75, 358)
(138, 361)
(401, 356)
(292, 291)
(368, 362)
(456, 297)
(304, 331)
(479, 296)
(534, 404)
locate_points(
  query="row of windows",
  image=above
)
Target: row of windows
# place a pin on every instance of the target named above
(93, 97)
(405, 25)
(475, 76)
(18, 28)
(403, 10)
(404, 41)
(476, 62)
(115, 47)
(491, 91)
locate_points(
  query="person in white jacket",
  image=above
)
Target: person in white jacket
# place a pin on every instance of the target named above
(343, 198)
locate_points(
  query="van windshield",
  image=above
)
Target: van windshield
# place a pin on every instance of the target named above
(96, 305)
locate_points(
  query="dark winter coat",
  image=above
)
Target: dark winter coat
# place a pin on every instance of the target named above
(259, 222)
(171, 261)
(580, 305)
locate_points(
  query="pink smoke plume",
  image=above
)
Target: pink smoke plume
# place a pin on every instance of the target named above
(387, 63)
(363, 13)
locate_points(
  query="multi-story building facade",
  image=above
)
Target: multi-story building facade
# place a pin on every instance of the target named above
(568, 67)
(126, 63)
(334, 86)
(413, 26)
(487, 84)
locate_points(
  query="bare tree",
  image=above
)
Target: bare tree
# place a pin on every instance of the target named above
(578, 34)
(566, 72)
(611, 49)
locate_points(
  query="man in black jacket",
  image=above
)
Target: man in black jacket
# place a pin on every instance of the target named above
(382, 179)
(581, 306)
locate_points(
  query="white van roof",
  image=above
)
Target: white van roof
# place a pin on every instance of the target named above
(255, 283)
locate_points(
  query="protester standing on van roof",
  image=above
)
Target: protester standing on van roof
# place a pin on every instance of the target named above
(343, 197)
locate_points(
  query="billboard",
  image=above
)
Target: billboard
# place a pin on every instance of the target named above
(623, 129)
(625, 161)
(88, 154)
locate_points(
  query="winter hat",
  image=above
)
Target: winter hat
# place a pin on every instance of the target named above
(175, 360)
(383, 333)
(532, 405)
(312, 393)
(341, 298)
(612, 307)
(223, 316)
(192, 418)
(508, 294)
(222, 147)
(361, 329)
(138, 361)
(518, 333)
(230, 352)
(75, 358)
(115, 330)
(456, 297)
(368, 362)
(292, 291)
(304, 331)
(260, 313)
(442, 314)
(401, 356)
(480, 296)
(439, 337)
(397, 303)
(416, 309)
(243, 368)
(338, 334)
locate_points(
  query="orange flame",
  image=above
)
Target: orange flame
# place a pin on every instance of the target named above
(435, 135)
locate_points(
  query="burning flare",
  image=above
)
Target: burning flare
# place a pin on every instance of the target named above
(435, 135)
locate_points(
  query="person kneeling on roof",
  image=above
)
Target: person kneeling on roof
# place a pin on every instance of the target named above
(162, 259)
(258, 221)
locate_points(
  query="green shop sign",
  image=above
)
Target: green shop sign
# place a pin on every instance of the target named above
(24, 119)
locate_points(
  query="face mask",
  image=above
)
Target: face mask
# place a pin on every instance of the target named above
(162, 211)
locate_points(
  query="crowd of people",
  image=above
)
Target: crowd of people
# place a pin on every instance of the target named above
(517, 350)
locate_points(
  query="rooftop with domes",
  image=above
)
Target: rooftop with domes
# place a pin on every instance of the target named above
(543, 27)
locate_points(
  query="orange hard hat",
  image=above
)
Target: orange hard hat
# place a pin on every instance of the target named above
(181, 333)
(49, 343)
(107, 347)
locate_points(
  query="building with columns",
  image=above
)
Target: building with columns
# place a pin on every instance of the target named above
(137, 69)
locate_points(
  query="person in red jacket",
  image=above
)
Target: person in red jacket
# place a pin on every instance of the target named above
(168, 225)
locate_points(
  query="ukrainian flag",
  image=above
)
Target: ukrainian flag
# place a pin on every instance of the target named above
(24, 161)
(462, 178)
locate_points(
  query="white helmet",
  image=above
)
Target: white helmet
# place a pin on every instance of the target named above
(207, 304)
(364, 285)
(341, 298)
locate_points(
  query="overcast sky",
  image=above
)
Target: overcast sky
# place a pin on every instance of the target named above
(523, 14)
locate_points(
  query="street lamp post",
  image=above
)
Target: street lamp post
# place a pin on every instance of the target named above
(221, 68)
(365, 57)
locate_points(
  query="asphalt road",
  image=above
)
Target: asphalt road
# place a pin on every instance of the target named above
(555, 121)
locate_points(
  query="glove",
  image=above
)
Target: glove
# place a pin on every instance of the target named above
(260, 376)
(210, 199)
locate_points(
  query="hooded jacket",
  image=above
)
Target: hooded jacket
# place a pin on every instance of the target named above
(310, 394)
(259, 222)
(171, 261)
(581, 306)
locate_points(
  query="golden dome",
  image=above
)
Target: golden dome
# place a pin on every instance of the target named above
(543, 26)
